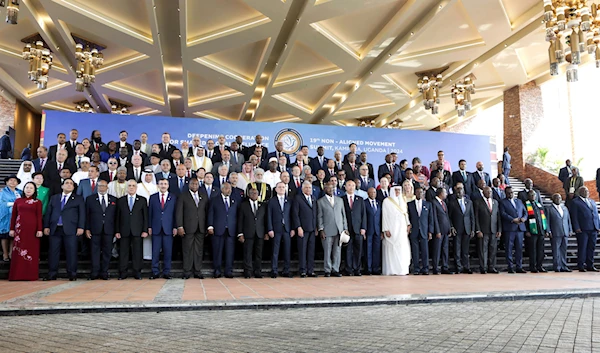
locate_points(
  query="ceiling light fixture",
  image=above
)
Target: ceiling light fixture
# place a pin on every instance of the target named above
(430, 89)
(150, 112)
(40, 63)
(12, 10)
(121, 63)
(88, 61)
(461, 92)
(579, 25)
(83, 107)
(287, 120)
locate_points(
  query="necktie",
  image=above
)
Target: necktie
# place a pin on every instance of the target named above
(222, 180)
(196, 199)
(235, 157)
(180, 183)
(97, 148)
(462, 205)
(512, 201)
(42, 164)
(137, 175)
(489, 204)
(297, 183)
(385, 194)
(189, 174)
(351, 201)
(103, 204)
(110, 176)
(62, 205)
(464, 175)
(162, 201)
(419, 208)
(208, 190)
(374, 205)
(444, 205)
(254, 207)
(281, 203)
(309, 201)
(59, 167)
(93, 185)
(165, 147)
(226, 204)
(130, 203)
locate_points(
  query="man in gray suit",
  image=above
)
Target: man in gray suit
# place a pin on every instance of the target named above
(488, 226)
(506, 165)
(559, 227)
(225, 160)
(331, 221)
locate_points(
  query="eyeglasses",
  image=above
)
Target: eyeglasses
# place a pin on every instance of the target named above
(112, 162)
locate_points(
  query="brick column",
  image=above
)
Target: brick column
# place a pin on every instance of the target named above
(523, 109)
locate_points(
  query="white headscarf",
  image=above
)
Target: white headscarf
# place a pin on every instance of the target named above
(25, 177)
(400, 200)
(146, 189)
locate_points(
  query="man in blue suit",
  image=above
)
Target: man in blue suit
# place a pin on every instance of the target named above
(165, 171)
(442, 228)
(319, 162)
(161, 217)
(333, 181)
(506, 165)
(373, 241)
(356, 217)
(179, 184)
(479, 174)
(420, 213)
(222, 224)
(89, 186)
(559, 227)
(365, 182)
(280, 229)
(64, 222)
(584, 218)
(514, 217)
(389, 168)
(304, 219)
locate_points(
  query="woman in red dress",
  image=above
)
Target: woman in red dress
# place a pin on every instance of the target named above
(26, 229)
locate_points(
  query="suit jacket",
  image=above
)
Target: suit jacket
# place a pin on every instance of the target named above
(128, 145)
(584, 217)
(85, 188)
(237, 165)
(278, 220)
(356, 216)
(37, 164)
(221, 219)
(73, 214)
(380, 197)
(189, 216)
(159, 176)
(252, 224)
(485, 221)
(237, 194)
(559, 226)
(162, 219)
(423, 225)
(315, 165)
(458, 178)
(563, 174)
(328, 175)
(506, 161)
(54, 148)
(577, 183)
(522, 195)
(441, 219)
(351, 174)
(101, 147)
(52, 178)
(508, 212)
(98, 221)
(365, 186)
(446, 179)
(430, 194)
(597, 179)
(251, 149)
(304, 214)
(477, 177)
(165, 154)
(370, 166)
(215, 169)
(106, 176)
(373, 218)
(331, 219)
(498, 195)
(174, 186)
(462, 222)
(384, 169)
(317, 184)
(214, 191)
(131, 175)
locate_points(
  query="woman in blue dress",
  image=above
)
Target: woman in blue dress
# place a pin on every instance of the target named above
(8, 195)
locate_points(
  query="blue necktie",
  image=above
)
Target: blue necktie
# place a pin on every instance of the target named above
(180, 184)
(208, 190)
(130, 203)
(62, 205)
(462, 205)
(226, 204)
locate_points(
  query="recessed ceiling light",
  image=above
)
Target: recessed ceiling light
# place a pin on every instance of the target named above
(412, 33)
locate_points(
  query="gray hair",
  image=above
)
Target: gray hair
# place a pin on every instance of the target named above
(307, 168)
(232, 173)
(122, 169)
(259, 170)
(306, 183)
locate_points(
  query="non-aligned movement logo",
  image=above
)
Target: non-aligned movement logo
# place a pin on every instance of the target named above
(292, 140)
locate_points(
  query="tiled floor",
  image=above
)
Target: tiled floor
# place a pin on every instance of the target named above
(182, 291)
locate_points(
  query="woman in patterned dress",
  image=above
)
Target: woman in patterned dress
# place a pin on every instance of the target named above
(8, 195)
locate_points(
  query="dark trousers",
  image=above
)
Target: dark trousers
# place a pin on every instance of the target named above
(306, 252)
(192, 246)
(354, 253)
(165, 242)
(536, 252)
(287, 250)
(461, 251)
(373, 250)
(514, 240)
(440, 249)
(220, 243)
(586, 245)
(101, 249)
(419, 249)
(253, 248)
(56, 241)
(488, 246)
(85, 246)
(137, 254)
(559, 252)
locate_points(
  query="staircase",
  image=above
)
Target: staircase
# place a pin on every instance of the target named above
(8, 167)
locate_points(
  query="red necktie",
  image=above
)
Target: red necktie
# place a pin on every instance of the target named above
(93, 185)
(351, 199)
(444, 206)
(162, 201)
(188, 174)
(97, 147)
(297, 183)
(489, 205)
(110, 176)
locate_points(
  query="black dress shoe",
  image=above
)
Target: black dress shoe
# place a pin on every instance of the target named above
(247, 275)
(288, 275)
(377, 273)
(336, 274)
(137, 276)
(592, 269)
(303, 275)
(416, 273)
(258, 275)
(510, 270)
(327, 274)
(167, 276)
(154, 276)
(273, 275)
(49, 279)
(92, 278)
(217, 275)
(367, 273)
(435, 272)
(582, 270)
(493, 270)
(104, 277)
(313, 275)
(424, 273)
(199, 276)
(122, 278)
(229, 275)
(447, 272)
(542, 270)
(467, 271)
(72, 278)
(520, 270)
(534, 271)
(566, 270)
(358, 273)
(483, 272)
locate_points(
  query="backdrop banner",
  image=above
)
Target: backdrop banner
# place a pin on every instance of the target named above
(376, 142)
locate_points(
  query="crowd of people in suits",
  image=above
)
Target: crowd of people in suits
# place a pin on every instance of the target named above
(141, 201)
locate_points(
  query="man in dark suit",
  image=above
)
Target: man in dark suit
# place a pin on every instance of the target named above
(166, 148)
(320, 161)
(101, 209)
(497, 193)
(209, 188)
(96, 142)
(330, 171)
(479, 174)
(304, 220)
(162, 228)
(122, 143)
(258, 144)
(442, 174)
(488, 227)
(52, 178)
(431, 193)
(351, 168)
(462, 220)
(584, 218)
(565, 172)
(61, 145)
(131, 226)
(110, 174)
(571, 185)
(384, 189)
(64, 221)
(137, 151)
(461, 175)
(320, 182)
(135, 169)
(222, 223)
(478, 190)
(191, 225)
(514, 218)
(356, 217)
(523, 195)
(389, 168)
(252, 221)
(275, 154)
(165, 171)
(280, 229)
(179, 184)
(365, 181)
(420, 213)
(89, 186)
(442, 232)
(559, 227)
(42, 159)
(363, 161)
(536, 231)
(373, 241)
(295, 182)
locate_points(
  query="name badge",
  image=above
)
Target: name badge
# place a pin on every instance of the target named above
(571, 190)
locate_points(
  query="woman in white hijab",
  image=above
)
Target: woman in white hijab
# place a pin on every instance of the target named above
(25, 173)
(146, 188)
(396, 227)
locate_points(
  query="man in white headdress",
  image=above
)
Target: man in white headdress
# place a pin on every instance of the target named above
(84, 170)
(146, 188)
(201, 161)
(396, 227)
(25, 173)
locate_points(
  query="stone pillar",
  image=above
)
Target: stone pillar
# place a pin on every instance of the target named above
(7, 111)
(523, 109)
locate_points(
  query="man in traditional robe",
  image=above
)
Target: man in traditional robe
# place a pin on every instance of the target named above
(396, 227)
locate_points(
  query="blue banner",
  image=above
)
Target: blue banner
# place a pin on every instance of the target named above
(376, 142)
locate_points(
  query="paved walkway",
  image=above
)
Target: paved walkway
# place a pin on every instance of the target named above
(239, 291)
